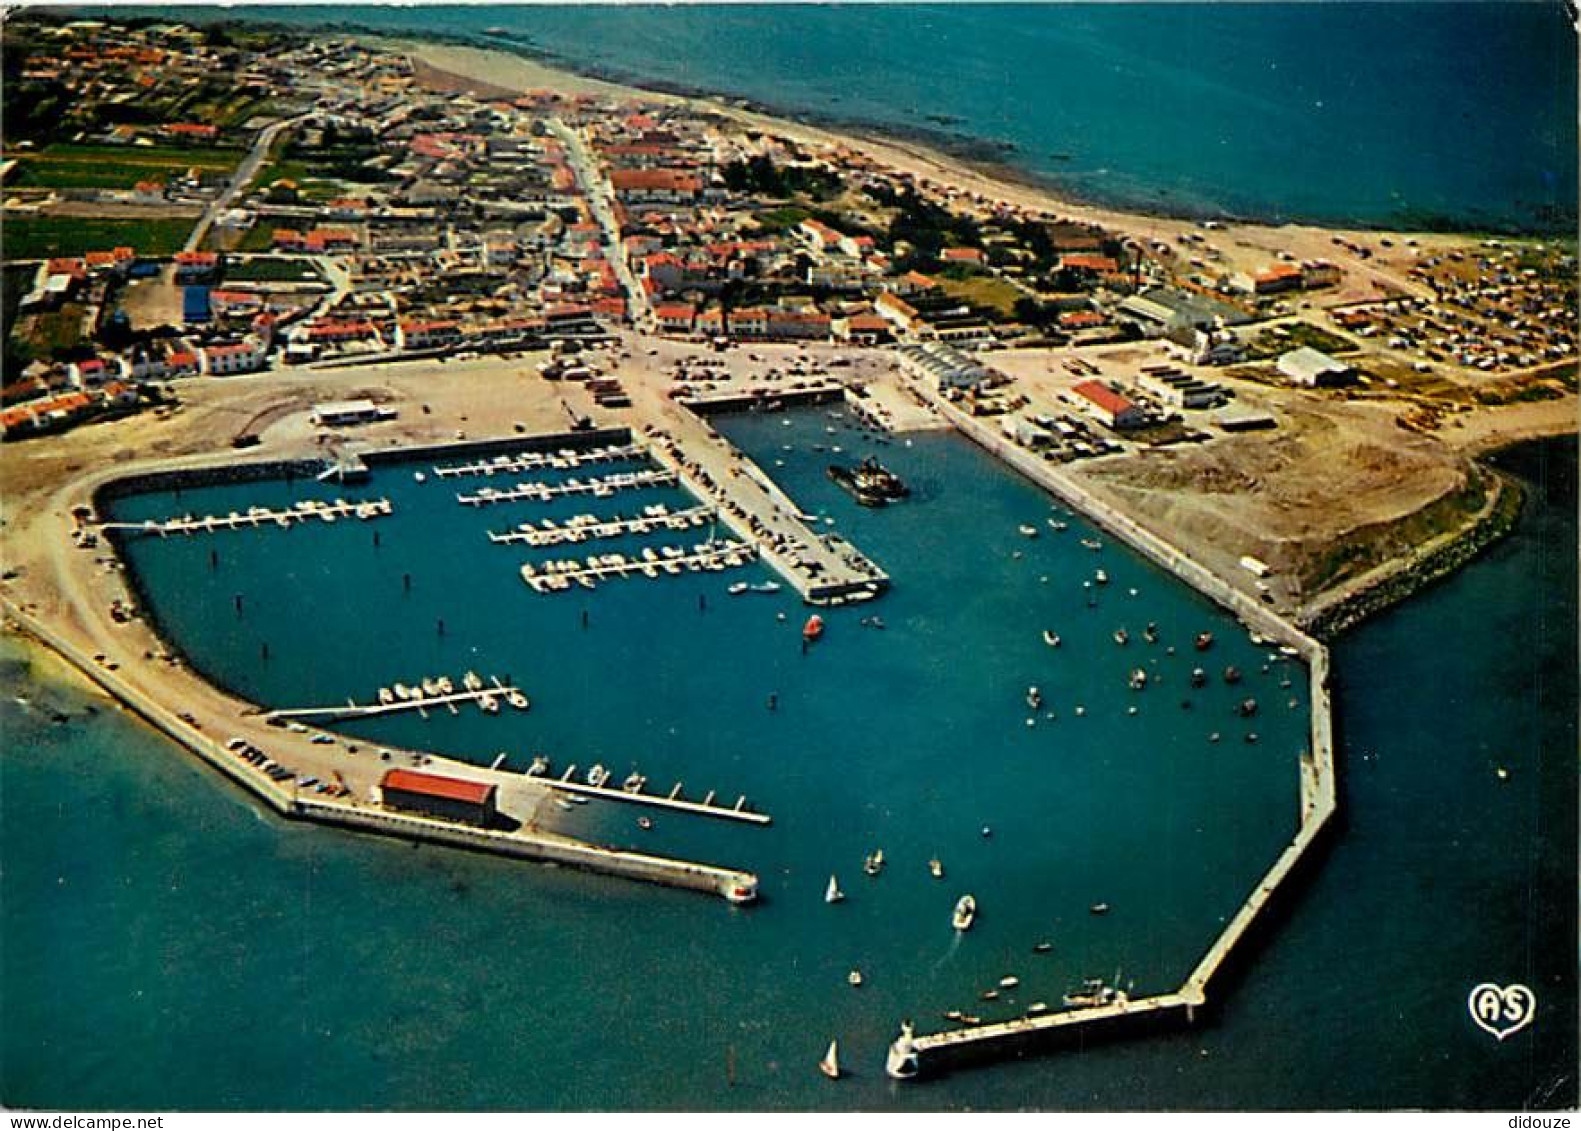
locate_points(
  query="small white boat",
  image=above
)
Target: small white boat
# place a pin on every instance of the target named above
(386, 695)
(936, 868)
(1027, 531)
(833, 894)
(1051, 638)
(874, 864)
(1009, 982)
(854, 978)
(965, 913)
(1034, 698)
(419, 477)
(830, 1064)
(1101, 577)
(737, 589)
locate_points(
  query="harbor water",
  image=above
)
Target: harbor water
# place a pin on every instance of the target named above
(147, 905)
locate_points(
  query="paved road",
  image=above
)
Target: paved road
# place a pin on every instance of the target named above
(245, 172)
(601, 202)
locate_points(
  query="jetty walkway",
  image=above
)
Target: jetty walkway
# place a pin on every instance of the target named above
(591, 528)
(542, 492)
(305, 511)
(563, 459)
(555, 576)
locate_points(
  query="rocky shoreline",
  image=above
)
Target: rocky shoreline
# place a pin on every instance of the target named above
(1416, 574)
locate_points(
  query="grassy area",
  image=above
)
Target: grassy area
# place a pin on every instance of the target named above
(259, 237)
(43, 334)
(983, 290)
(38, 237)
(270, 271)
(1279, 339)
(781, 219)
(116, 166)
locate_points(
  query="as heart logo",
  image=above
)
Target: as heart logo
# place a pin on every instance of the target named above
(1502, 1010)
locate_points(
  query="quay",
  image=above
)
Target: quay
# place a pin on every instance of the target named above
(911, 1055)
(823, 568)
(304, 511)
(587, 527)
(559, 575)
(542, 492)
(563, 459)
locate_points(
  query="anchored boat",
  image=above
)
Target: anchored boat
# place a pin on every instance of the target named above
(965, 913)
(872, 484)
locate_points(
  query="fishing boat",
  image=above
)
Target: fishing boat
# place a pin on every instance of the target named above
(1121, 636)
(1232, 674)
(833, 894)
(874, 864)
(1027, 531)
(1051, 638)
(1204, 641)
(1101, 577)
(813, 629)
(737, 589)
(830, 1064)
(869, 482)
(1009, 982)
(1138, 679)
(854, 978)
(936, 868)
(1034, 698)
(965, 913)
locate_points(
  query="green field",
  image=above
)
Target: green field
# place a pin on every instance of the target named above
(270, 271)
(983, 290)
(116, 166)
(38, 237)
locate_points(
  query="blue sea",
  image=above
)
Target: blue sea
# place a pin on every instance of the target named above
(1404, 114)
(146, 905)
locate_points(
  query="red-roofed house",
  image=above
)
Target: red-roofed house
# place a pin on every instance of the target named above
(971, 256)
(194, 266)
(675, 317)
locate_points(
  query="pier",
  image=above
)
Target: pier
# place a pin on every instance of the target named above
(305, 511)
(557, 576)
(590, 528)
(565, 458)
(631, 793)
(542, 492)
(823, 568)
(421, 700)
